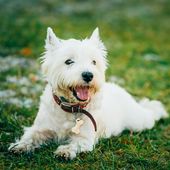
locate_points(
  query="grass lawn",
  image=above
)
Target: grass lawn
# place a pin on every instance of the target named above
(136, 34)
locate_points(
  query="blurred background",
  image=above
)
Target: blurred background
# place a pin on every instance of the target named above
(136, 34)
(140, 25)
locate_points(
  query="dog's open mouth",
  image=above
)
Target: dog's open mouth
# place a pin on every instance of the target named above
(81, 93)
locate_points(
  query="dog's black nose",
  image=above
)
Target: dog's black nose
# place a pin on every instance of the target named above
(87, 76)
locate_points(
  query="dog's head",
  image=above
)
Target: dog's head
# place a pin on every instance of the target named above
(75, 68)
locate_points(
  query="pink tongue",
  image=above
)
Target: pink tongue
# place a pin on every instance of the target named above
(82, 93)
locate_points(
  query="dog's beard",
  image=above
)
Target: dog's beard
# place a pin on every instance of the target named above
(78, 94)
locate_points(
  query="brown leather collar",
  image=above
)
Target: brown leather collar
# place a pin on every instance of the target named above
(74, 108)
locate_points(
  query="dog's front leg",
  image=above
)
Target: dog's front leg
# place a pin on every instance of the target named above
(32, 138)
(82, 142)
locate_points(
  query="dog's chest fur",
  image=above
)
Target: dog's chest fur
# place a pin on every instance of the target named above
(56, 119)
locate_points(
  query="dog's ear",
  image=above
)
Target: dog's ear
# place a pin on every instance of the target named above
(95, 35)
(51, 41)
(95, 38)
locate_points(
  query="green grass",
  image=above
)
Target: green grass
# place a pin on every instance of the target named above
(136, 34)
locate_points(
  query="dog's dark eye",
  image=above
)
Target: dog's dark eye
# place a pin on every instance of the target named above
(69, 61)
(94, 62)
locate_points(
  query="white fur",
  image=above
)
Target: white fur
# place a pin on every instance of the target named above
(112, 107)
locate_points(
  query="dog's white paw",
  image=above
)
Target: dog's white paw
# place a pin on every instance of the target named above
(66, 152)
(20, 147)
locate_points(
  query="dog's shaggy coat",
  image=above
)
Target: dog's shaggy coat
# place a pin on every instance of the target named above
(114, 109)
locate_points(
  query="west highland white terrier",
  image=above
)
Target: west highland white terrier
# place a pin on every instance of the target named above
(78, 105)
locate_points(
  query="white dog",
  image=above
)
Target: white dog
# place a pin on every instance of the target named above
(77, 92)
